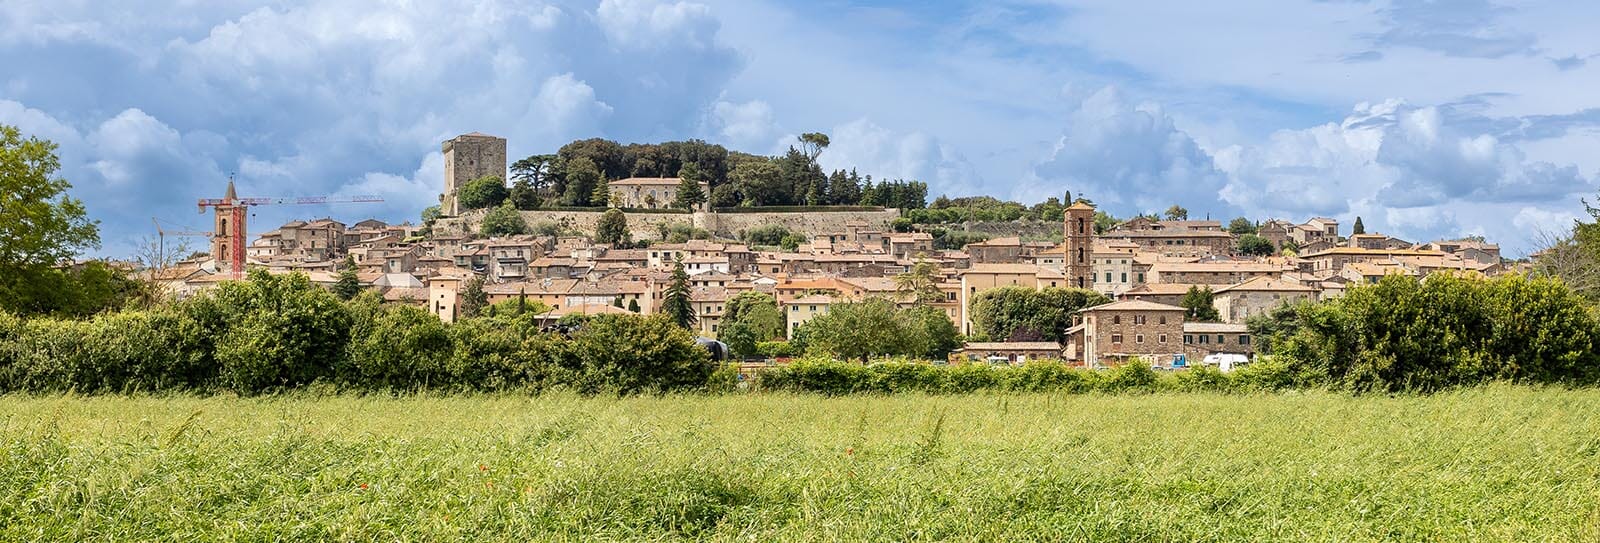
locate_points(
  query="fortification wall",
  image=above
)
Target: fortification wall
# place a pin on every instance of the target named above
(645, 225)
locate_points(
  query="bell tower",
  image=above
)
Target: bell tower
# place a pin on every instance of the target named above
(227, 233)
(1078, 263)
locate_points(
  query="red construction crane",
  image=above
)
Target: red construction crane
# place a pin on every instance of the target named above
(232, 211)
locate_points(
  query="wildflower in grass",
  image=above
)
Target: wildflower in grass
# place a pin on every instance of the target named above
(363, 486)
(850, 451)
(482, 467)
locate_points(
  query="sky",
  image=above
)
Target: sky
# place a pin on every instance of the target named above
(1427, 119)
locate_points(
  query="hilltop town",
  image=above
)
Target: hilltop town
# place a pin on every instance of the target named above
(811, 257)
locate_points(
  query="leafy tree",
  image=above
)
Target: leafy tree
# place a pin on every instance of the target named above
(40, 226)
(920, 283)
(813, 143)
(1358, 228)
(791, 242)
(503, 221)
(855, 330)
(524, 196)
(483, 192)
(1253, 245)
(431, 214)
(675, 303)
(689, 194)
(761, 183)
(766, 234)
(1103, 221)
(927, 333)
(1003, 313)
(612, 228)
(535, 172)
(632, 353)
(272, 332)
(582, 176)
(1177, 213)
(750, 318)
(348, 285)
(1199, 306)
(1241, 226)
(473, 299)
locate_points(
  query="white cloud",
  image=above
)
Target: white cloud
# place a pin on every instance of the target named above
(568, 106)
(885, 154)
(646, 24)
(745, 126)
(1129, 159)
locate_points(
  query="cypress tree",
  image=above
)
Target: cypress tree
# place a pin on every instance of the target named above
(675, 303)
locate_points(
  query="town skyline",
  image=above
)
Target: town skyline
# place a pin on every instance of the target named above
(1031, 100)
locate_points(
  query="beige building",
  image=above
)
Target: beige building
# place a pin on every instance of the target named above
(1114, 271)
(981, 277)
(798, 311)
(1236, 303)
(650, 192)
(1214, 273)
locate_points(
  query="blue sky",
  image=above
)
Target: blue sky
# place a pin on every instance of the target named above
(1427, 119)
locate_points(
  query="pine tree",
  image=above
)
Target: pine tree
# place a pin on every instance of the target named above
(675, 302)
(689, 194)
(602, 195)
(473, 298)
(349, 285)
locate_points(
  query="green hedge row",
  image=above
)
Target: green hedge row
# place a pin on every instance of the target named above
(276, 333)
(836, 378)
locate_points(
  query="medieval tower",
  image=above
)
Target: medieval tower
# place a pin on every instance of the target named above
(1079, 238)
(228, 227)
(468, 157)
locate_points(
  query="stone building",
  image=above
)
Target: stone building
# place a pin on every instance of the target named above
(469, 157)
(1119, 332)
(1078, 237)
(650, 192)
(1257, 296)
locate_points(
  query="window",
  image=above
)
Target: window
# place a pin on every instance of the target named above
(1138, 338)
(1116, 319)
(1204, 339)
(1187, 339)
(1244, 339)
(1163, 319)
(1219, 339)
(1124, 277)
(1116, 338)
(1161, 338)
(1108, 277)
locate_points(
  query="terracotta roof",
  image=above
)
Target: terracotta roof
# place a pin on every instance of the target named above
(661, 181)
(1133, 305)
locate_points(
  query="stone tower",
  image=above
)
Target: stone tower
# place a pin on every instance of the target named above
(228, 228)
(1079, 236)
(468, 157)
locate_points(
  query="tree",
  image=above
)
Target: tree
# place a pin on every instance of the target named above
(1177, 213)
(855, 330)
(1003, 313)
(813, 143)
(1358, 228)
(153, 253)
(612, 228)
(927, 333)
(920, 283)
(1253, 245)
(689, 194)
(348, 285)
(581, 176)
(1199, 306)
(760, 182)
(473, 299)
(603, 197)
(431, 214)
(524, 196)
(40, 226)
(750, 318)
(503, 221)
(534, 172)
(1241, 226)
(633, 305)
(675, 303)
(484, 192)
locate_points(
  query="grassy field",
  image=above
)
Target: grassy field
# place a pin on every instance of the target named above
(1494, 464)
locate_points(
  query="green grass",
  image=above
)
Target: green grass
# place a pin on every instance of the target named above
(1494, 464)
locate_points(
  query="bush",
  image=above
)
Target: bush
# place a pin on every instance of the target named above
(1403, 333)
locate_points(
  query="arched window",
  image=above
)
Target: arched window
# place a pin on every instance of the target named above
(1080, 225)
(1080, 255)
(1116, 319)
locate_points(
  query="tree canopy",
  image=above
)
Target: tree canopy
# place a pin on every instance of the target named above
(503, 221)
(483, 192)
(613, 228)
(1198, 305)
(41, 227)
(1021, 313)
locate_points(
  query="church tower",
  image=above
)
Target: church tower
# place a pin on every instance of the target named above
(227, 233)
(1078, 264)
(466, 158)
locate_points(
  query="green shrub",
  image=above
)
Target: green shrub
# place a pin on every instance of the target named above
(1202, 379)
(1133, 376)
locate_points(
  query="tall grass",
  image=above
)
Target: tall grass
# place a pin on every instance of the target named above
(1489, 464)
